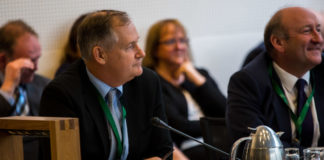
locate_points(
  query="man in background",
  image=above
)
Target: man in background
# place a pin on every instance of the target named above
(283, 85)
(111, 94)
(21, 88)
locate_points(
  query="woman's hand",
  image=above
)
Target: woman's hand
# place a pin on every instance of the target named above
(191, 73)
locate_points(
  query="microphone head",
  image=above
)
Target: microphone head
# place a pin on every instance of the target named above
(157, 122)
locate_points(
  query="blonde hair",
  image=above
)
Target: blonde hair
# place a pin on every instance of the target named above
(153, 41)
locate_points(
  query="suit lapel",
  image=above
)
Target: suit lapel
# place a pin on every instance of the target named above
(135, 115)
(124, 102)
(93, 107)
(282, 116)
(281, 110)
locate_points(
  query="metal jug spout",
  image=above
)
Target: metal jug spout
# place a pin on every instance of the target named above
(279, 134)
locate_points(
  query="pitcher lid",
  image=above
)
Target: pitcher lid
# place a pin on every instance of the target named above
(265, 137)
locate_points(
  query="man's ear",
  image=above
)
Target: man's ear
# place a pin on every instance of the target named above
(99, 54)
(277, 43)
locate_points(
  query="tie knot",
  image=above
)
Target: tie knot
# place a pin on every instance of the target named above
(300, 84)
(111, 94)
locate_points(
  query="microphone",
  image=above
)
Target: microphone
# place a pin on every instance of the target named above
(157, 122)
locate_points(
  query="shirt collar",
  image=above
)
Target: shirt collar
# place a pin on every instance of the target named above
(288, 80)
(102, 87)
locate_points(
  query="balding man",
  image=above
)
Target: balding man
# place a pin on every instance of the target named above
(21, 88)
(283, 87)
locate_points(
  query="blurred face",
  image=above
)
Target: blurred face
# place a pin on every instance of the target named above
(125, 59)
(305, 40)
(173, 46)
(27, 46)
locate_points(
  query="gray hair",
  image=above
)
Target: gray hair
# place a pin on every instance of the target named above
(98, 29)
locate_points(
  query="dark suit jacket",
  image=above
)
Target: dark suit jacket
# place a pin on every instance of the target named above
(73, 95)
(252, 101)
(208, 96)
(34, 91)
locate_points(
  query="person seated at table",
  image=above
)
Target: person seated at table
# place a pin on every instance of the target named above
(283, 87)
(21, 88)
(110, 92)
(189, 92)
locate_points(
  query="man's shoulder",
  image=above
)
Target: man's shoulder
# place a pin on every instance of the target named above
(254, 74)
(147, 76)
(71, 78)
(40, 80)
(148, 81)
(257, 67)
(261, 61)
(149, 73)
(320, 67)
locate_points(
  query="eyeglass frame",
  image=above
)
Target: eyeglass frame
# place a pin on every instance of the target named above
(173, 41)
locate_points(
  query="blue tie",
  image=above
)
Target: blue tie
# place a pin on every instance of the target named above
(20, 101)
(307, 126)
(116, 111)
(113, 108)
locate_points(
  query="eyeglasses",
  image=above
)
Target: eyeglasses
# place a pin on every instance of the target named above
(174, 41)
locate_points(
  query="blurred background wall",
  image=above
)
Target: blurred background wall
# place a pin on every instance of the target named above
(221, 32)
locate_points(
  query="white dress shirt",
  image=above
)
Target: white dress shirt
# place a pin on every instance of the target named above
(288, 82)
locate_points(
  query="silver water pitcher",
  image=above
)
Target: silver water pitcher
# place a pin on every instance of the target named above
(264, 144)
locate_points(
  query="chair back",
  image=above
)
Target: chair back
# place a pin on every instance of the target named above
(215, 133)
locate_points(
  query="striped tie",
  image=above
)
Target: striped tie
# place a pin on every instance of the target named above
(20, 102)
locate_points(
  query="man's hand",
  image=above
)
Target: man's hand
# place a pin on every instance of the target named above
(178, 155)
(13, 72)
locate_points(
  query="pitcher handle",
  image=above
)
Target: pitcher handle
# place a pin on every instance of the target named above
(236, 145)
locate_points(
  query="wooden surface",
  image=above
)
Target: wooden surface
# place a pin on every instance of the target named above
(63, 134)
(11, 147)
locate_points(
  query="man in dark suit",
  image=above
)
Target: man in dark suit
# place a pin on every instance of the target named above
(111, 61)
(21, 88)
(266, 92)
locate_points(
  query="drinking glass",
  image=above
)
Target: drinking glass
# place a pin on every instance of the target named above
(312, 154)
(321, 150)
(292, 153)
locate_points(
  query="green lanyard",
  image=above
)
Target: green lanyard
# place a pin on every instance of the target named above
(297, 120)
(111, 121)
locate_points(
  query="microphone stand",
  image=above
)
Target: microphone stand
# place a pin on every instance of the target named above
(159, 123)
